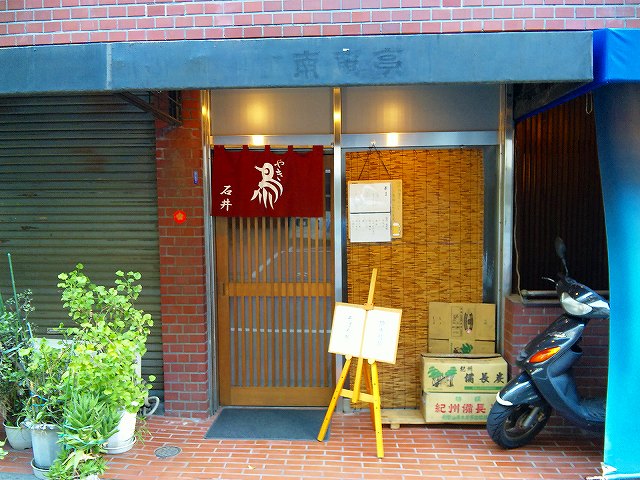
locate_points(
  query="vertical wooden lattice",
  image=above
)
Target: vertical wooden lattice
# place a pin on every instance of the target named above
(275, 303)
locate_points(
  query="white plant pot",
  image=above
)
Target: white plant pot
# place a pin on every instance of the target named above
(44, 439)
(39, 472)
(42, 473)
(123, 440)
(121, 448)
(19, 437)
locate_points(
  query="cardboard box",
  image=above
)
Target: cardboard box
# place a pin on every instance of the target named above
(441, 372)
(462, 327)
(440, 407)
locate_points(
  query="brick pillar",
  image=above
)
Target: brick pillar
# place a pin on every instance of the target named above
(182, 264)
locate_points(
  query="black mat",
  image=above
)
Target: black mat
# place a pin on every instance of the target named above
(248, 423)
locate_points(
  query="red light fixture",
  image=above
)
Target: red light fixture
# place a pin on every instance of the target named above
(179, 216)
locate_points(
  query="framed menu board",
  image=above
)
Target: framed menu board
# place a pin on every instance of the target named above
(374, 210)
(370, 334)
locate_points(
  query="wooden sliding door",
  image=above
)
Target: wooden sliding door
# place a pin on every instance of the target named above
(274, 308)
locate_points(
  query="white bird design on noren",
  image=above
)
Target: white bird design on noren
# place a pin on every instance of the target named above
(269, 189)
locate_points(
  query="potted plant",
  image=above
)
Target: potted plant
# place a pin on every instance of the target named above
(46, 364)
(89, 422)
(13, 398)
(110, 336)
(15, 334)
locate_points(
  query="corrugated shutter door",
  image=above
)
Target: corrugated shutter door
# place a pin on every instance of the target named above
(78, 185)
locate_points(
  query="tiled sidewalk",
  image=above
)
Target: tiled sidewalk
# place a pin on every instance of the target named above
(429, 453)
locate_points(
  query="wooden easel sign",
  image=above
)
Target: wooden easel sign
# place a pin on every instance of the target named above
(363, 332)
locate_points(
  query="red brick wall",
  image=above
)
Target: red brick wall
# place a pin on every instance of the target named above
(182, 264)
(44, 22)
(522, 323)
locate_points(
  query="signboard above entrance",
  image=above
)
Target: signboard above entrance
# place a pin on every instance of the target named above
(261, 183)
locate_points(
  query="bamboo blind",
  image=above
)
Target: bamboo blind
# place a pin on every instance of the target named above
(439, 257)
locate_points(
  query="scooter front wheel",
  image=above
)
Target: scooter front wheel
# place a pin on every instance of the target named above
(516, 425)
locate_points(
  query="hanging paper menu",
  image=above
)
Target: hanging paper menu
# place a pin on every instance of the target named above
(369, 197)
(370, 227)
(375, 211)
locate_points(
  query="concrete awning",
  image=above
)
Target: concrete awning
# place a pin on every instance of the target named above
(501, 57)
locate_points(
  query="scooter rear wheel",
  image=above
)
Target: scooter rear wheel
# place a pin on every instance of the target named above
(508, 425)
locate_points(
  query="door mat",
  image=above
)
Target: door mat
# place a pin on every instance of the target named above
(248, 423)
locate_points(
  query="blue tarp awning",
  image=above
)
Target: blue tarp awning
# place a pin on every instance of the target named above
(616, 91)
(616, 87)
(616, 56)
(616, 59)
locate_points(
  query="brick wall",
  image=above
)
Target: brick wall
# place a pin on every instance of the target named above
(182, 264)
(522, 323)
(44, 22)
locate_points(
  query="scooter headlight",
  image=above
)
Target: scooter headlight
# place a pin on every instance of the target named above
(572, 306)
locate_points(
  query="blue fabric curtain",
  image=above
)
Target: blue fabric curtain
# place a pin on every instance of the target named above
(618, 135)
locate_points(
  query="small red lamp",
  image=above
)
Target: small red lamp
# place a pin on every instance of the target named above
(179, 216)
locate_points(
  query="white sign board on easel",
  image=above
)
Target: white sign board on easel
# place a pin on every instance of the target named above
(370, 334)
(346, 332)
(381, 332)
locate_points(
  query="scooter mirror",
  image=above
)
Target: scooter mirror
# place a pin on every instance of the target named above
(561, 251)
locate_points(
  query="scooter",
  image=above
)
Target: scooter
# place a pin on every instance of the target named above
(546, 382)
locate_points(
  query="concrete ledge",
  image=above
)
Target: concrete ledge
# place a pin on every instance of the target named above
(501, 57)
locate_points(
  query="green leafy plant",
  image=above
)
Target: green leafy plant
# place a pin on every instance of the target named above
(45, 366)
(89, 304)
(88, 423)
(15, 334)
(110, 336)
(84, 382)
(108, 340)
(437, 377)
(13, 393)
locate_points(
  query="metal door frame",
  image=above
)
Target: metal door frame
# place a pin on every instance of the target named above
(339, 141)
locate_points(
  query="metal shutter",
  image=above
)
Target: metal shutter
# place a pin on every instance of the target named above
(78, 185)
